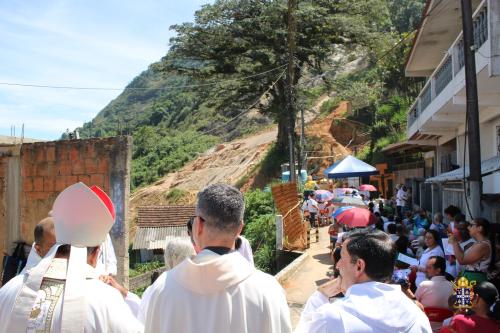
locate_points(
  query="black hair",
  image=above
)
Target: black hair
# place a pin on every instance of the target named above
(402, 244)
(439, 263)
(237, 243)
(38, 233)
(391, 228)
(452, 210)
(336, 258)
(189, 225)
(489, 293)
(376, 249)
(436, 237)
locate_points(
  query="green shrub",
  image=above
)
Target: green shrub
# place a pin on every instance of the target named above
(175, 195)
(261, 233)
(144, 267)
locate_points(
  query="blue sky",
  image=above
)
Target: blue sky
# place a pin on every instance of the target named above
(76, 43)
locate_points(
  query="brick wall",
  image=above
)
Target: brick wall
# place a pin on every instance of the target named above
(46, 168)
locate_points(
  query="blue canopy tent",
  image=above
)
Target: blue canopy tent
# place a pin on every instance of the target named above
(350, 167)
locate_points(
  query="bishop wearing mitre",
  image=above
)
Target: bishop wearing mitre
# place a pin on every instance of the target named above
(63, 293)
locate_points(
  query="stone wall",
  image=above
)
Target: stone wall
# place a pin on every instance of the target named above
(44, 169)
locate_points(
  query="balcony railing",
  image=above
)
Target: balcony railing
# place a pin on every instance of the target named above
(454, 59)
(444, 75)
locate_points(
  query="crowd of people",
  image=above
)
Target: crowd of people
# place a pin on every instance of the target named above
(442, 249)
(211, 284)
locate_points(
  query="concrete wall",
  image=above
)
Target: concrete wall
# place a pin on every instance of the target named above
(35, 173)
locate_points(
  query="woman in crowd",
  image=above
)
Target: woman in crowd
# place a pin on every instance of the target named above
(434, 248)
(477, 258)
(485, 312)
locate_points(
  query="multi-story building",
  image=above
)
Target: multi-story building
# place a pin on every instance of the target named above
(437, 117)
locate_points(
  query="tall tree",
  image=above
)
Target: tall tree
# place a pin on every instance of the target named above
(237, 38)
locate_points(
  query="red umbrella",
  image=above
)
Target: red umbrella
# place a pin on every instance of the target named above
(356, 217)
(368, 187)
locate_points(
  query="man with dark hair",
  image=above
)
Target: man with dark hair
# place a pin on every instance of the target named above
(217, 290)
(370, 303)
(436, 290)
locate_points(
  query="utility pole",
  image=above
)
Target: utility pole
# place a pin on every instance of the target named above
(472, 113)
(290, 88)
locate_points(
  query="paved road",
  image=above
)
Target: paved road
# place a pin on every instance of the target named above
(310, 275)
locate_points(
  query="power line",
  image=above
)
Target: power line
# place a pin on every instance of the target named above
(29, 85)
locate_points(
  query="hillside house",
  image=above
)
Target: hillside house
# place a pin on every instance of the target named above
(156, 225)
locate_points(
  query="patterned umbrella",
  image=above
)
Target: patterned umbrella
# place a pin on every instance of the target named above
(356, 217)
(323, 195)
(368, 187)
(341, 210)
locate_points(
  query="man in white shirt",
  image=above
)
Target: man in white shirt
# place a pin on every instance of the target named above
(218, 290)
(311, 206)
(435, 291)
(401, 198)
(370, 305)
(62, 293)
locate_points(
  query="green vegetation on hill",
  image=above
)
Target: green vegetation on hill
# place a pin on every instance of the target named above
(200, 92)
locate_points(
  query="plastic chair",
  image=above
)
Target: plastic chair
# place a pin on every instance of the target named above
(437, 314)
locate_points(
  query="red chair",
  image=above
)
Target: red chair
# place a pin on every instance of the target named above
(437, 314)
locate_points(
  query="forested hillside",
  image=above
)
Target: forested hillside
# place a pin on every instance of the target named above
(224, 76)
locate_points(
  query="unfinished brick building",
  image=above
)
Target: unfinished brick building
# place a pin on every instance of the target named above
(33, 174)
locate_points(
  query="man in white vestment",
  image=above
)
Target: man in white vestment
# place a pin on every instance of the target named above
(243, 246)
(63, 293)
(106, 263)
(217, 290)
(369, 305)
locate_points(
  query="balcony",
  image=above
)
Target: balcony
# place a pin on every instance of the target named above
(440, 107)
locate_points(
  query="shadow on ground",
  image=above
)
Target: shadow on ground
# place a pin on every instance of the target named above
(323, 258)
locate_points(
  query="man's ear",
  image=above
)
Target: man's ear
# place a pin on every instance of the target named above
(360, 266)
(92, 259)
(200, 225)
(240, 228)
(37, 249)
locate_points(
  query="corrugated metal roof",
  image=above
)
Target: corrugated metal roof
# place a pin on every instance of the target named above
(164, 216)
(488, 166)
(157, 238)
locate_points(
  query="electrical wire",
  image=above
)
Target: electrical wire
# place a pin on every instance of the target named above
(135, 88)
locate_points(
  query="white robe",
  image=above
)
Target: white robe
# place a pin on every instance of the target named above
(246, 250)
(214, 293)
(106, 263)
(366, 308)
(105, 309)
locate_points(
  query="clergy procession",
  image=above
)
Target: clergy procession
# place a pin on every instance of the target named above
(211, 284)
